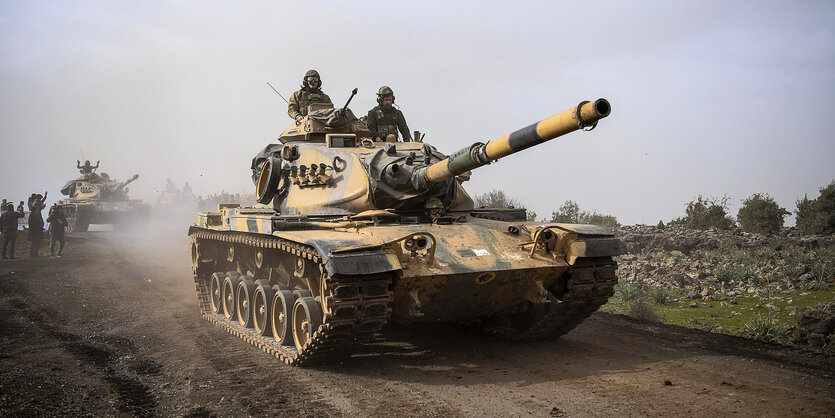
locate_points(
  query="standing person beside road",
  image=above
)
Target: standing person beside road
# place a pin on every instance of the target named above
(36, 205)
(8, 224)
(310, 93)
(385, 119)
(57, 224)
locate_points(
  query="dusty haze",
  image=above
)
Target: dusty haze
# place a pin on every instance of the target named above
(708, 98)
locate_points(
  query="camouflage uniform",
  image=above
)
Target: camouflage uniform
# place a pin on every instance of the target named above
(297, 105)
(386, 120)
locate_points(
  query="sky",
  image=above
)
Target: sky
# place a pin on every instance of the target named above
(708, 98)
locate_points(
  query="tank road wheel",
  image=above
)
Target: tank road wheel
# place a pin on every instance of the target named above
(244, 296)
(230, 287)
(282, 313)
(307, 317)
(261, 305)
(215, 286)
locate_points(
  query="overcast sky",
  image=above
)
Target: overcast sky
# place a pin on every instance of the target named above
(708, 97)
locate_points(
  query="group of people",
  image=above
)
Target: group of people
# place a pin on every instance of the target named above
(385, 121)
(37, 203)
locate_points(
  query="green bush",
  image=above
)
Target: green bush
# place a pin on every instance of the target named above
(817, 217)
(663, 296)
(569, 212)
(710, 256)
(704, 213)
(765, 329)
(726, 273)
(626, 291)
(761, 214)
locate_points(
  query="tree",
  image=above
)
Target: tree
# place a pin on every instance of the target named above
(817, 217)
(569, 212)
(495, 199)
(704, 213)
(498, 199)
(761, 214)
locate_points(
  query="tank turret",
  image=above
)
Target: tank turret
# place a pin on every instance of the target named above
(328, 164)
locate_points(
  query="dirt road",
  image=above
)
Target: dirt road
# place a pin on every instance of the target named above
(113, 328)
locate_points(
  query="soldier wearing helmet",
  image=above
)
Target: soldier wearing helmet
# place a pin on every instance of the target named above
(310, 93)
(434, 208)
(385, 119)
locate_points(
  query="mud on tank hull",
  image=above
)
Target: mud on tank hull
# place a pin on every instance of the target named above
(306, 292)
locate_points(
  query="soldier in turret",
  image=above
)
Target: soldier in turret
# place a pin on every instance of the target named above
(385, 119)
(310, 93)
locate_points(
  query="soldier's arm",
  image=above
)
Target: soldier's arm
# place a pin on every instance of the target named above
(328, 99)
(403, 127)
(293, 105)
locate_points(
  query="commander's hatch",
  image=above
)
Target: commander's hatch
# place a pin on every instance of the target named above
(308, 129)
(312, 129)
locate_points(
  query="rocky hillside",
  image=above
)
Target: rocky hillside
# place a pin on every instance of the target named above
(715, 268)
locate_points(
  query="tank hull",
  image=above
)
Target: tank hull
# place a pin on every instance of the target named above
(83, 213)
(472, 270)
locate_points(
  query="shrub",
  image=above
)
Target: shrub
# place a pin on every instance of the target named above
(710, 256)
(761, 214)
(663, 296)
(817, 217)
(726, 273)
(569, 212)
(704, 213)
(765, 329)
(642, 311)
(626, 291)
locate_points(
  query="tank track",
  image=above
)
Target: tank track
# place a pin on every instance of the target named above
(356, 308)
(589, 286)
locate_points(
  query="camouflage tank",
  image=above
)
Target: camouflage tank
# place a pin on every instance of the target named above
(97, 199)
(352, 234)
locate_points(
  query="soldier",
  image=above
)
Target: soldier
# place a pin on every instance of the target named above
(87, 168)
(36, 205)
(57, 223)
(310, 93)
(385, 119)
(8, 223)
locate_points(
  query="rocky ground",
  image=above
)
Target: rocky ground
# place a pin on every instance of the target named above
(113, 329)
(788, 277)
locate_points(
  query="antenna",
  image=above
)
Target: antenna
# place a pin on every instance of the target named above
(276, 92)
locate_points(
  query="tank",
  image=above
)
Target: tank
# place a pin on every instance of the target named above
(350, 235)
(94, 198)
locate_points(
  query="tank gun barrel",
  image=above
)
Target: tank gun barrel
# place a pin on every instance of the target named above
(126, 182)
(476, 155)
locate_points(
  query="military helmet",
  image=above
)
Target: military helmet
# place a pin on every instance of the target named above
(311, 74)
(433, 203)
(383, 92)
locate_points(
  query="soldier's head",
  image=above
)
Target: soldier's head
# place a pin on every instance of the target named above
(385, 96)
(86, 162)
(434, 208)
(312, 80)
